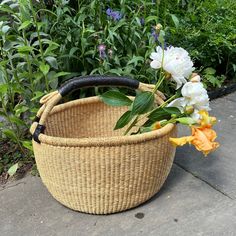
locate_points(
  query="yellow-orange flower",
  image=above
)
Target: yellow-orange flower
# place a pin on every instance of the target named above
(202, 137)
(156, 125)
(206, 120)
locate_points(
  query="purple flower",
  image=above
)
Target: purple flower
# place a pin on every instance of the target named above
(115, 15)
(155, 35)
(102, 51)
(109, 11)
(142, 21)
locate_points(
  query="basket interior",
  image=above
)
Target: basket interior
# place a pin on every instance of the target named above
(81, 119)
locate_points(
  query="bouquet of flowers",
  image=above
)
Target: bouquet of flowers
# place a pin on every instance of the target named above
(188, 106)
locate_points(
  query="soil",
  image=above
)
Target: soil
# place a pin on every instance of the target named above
(7, 153)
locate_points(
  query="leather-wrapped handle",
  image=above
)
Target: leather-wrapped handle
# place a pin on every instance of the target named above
(52, 99)
(97, 81)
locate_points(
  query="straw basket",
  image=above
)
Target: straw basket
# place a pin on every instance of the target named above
(85, 164)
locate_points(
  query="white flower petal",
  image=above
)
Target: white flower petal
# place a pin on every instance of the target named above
(179, 103)
(176, 62)
(154, 56)
(155, 64)
(195, 115)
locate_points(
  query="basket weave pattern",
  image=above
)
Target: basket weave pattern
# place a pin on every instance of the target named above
(90, 168)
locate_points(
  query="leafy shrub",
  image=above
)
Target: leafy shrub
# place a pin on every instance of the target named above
(207, 30)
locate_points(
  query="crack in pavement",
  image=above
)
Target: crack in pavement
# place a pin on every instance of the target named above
(203, 180)
(11, 186)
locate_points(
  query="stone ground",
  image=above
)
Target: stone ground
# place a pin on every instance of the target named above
(198, 198)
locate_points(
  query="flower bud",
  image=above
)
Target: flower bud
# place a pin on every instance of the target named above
(189, 110)
(156, 125)
(110, 52)
(195, 78)
(158, 27)
(167, 75)
(213, 120)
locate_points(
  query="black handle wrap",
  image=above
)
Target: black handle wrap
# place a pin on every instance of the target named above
(94, 81)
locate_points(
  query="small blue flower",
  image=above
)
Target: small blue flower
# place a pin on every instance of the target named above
(108, 11)
(115, 15)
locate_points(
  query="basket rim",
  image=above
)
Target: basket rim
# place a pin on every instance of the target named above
(99, 141)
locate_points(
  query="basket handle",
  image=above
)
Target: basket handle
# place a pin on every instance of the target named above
(52, 99)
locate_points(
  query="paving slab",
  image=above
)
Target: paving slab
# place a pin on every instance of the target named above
(184, 206)
(198, 197)
(219, 168)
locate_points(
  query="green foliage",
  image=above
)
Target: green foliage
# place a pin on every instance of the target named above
(163, 113)
(207, 31)
(28, 69)
(124, 120)
(115, 98)
(12, 170)
(143, 102)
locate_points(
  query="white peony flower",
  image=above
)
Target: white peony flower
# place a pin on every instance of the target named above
(176, 62)
(195, 95)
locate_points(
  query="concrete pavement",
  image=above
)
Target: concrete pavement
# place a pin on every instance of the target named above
(198, 197)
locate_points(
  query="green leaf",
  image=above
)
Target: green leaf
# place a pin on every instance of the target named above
(115, 98)
(146, 129)
(209, 71)
(52, 61)
(234, 67)
(17, 121)
(159, 114)
(44, 68)
(186, 120)
(12, 170)
(10, 134)
(37, 95)
(175, 20)
(161, 37)
(5, 29)
(124, 120)
(25, 24)
(164, 113)
(172, 110)
(3, 88)
(143, 102)
(52, 46)
(135, 60)
(28, 145)
(25, 49)
(7, 9)
(151, 18)
(19, 109)
(62, 73)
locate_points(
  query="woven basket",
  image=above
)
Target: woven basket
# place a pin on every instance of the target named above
(89, 167)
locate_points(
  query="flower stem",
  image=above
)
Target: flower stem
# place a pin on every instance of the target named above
(131, 125)
(169, 100)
